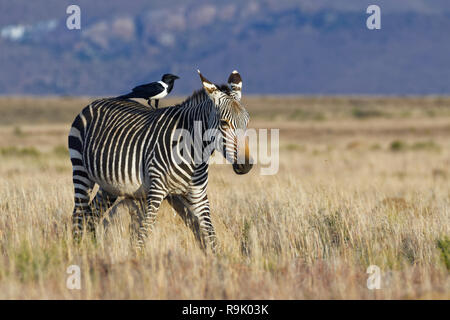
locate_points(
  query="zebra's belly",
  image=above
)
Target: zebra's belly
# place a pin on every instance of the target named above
(135, 190)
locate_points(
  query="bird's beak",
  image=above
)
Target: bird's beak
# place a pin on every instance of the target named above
(176, 77)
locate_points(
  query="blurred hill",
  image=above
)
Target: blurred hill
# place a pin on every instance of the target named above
(280, 47)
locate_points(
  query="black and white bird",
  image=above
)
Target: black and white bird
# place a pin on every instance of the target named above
(153, 91)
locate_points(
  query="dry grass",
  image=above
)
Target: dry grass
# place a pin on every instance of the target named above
(344, 198)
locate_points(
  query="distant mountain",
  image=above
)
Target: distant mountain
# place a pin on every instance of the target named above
(280, 47)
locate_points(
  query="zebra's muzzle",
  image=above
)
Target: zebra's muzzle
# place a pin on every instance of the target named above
(244, 162)
(242, 168)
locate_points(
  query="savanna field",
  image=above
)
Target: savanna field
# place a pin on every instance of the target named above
(361, 181)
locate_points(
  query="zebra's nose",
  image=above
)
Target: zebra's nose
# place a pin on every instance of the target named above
(242, 168)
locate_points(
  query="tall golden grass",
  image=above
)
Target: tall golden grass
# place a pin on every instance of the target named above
(349, 193)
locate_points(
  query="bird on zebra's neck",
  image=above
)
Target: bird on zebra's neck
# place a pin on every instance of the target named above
(154, 90)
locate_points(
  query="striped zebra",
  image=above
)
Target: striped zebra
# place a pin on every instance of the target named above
(133, 152)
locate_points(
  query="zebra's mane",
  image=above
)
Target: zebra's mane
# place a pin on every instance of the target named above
(198, 96)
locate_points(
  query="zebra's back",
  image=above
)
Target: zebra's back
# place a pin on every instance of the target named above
(110, 142)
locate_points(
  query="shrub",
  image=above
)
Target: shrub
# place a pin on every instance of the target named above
(366, 113)
(397, 145)
(444, 247)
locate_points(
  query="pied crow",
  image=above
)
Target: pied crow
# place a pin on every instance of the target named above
(153, 91)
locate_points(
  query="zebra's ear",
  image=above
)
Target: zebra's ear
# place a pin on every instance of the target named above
(210, 88)
(235, 83)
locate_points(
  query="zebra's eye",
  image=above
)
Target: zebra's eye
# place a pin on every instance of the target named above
(224, 124)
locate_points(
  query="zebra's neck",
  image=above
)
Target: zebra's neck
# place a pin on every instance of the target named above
(204, 114)
(202, 123)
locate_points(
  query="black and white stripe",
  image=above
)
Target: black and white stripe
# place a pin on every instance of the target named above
(129, 151)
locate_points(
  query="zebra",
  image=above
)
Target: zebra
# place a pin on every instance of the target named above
(130, 151)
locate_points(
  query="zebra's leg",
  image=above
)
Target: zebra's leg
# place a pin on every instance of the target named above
(136, 208)
(154, 198)
(179, 205)
(101, 203)
(82, 211)
(199, 204)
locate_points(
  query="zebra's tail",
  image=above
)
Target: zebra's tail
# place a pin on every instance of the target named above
(81, 182)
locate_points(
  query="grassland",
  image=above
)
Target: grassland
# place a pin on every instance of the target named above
(362, 181)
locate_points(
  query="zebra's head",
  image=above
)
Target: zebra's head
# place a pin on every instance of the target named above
(233, 120)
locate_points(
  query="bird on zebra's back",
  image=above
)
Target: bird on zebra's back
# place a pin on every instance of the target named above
(154, 90)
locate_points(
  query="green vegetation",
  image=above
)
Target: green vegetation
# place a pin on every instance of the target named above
(399, 145)
(19, 152)
(61, 151)
(444, 247)
(360, 113)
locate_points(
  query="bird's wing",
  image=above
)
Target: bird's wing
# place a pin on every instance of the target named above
(142, 87)
(149, 90)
